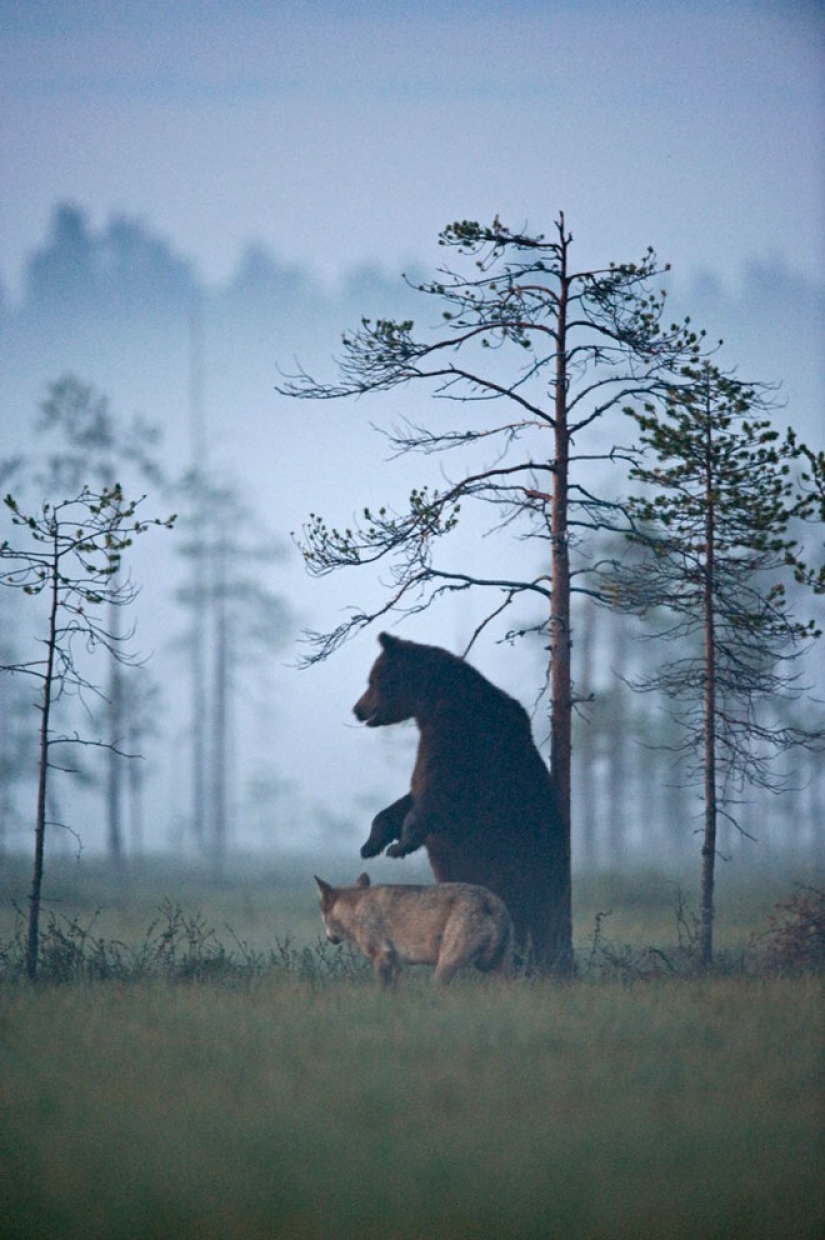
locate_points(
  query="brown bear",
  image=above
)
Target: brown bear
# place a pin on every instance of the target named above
(481, 799)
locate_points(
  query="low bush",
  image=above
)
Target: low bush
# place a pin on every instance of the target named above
(178, 946)
(794, 941)
(181, 946)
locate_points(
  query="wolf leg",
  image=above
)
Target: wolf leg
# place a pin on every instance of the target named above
(455, 951)
(385, 963)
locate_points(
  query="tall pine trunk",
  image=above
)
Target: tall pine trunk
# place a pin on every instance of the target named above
(560, 643)
(706, 908)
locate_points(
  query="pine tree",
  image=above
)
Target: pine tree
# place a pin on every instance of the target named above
(716, 528)
(558, 349)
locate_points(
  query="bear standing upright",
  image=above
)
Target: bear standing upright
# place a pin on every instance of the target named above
(481, 799)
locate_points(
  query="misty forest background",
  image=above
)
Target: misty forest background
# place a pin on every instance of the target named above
(240, 750)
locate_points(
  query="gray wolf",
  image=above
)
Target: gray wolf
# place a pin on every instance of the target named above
(448, 925)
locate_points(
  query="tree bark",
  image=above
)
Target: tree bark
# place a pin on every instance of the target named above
(33, 938)
(560, 643)
(114, 773)
(709, 755)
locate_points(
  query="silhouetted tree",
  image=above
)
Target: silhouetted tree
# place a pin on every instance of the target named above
(585, 342)
(714, 527)
(71, 558)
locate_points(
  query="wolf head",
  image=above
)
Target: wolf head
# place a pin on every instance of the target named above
(328, 898)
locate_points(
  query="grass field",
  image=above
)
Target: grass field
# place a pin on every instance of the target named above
(271, 1101)
(261, 902)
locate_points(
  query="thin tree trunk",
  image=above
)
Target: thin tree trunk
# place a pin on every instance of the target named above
(560, 645)
(135, 787)
(197, 415)
(218, 798)
(114, 771)
(199, 700)
(6, 795)
(584, 758)
(33, 939)
(617, 745)
(706, 913)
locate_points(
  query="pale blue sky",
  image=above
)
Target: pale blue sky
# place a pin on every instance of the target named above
(338, 134)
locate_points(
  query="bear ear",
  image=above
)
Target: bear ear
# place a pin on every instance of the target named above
(363, 880)
(388, 642)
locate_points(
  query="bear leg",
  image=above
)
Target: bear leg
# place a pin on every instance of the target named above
(387, 826)
(411, 836)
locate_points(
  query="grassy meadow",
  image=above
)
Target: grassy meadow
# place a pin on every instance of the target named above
(221, 1074)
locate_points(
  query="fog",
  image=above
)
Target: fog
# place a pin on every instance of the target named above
(179, 230)
(117, 308)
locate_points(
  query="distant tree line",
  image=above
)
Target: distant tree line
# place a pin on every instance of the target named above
(226, 611)
(124, 270)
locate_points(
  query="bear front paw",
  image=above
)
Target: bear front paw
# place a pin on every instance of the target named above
(370, 849)
(403, 848)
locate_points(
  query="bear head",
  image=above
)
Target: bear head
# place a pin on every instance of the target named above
(394, 687)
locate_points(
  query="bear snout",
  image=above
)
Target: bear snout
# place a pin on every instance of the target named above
(366, 713)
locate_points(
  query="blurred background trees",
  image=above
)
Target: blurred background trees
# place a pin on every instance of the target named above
(113, 302)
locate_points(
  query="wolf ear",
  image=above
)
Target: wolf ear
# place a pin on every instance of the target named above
(363, 880)
(323, 887)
